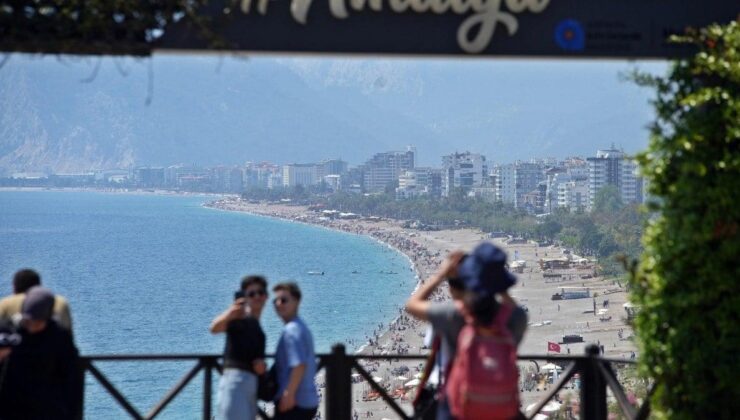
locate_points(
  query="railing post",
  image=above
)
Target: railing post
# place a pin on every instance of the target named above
(338, 385)
(80, 389)
(593, 387)
(207, 371)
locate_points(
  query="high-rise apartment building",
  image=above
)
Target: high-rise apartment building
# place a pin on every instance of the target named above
(612, 167)
(383, 169)
(573, 194)
(419, 181)
(515, 180)
(463, 170)
(258, 175)
(332, 167)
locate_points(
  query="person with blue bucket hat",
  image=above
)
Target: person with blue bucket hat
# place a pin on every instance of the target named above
(480, 273)
(482, 381)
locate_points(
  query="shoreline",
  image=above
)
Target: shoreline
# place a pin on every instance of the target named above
(416, 266)
(126, 191)
(549, 320)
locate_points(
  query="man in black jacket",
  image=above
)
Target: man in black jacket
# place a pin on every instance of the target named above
(39, 377)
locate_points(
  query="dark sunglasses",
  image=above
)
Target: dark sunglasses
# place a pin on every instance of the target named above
(280, 300)
(255, 293)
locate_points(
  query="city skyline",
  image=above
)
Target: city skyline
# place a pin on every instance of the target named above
(537, 185)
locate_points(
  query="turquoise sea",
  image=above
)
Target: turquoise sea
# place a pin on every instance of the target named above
(147, 273)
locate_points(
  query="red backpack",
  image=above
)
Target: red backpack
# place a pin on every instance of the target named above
(483, 382)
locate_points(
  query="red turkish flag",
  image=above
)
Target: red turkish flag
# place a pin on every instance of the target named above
(553, 347)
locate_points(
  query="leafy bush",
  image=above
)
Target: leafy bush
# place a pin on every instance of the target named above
(686, 283)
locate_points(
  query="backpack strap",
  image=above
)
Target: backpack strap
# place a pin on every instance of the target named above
(503, 315)
(498, 325)
(429, 366)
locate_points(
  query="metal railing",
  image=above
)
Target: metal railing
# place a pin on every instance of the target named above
(596, 375)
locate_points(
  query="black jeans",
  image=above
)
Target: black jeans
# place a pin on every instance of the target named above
(297, 413)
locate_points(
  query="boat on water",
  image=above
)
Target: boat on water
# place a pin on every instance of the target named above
(315, 273)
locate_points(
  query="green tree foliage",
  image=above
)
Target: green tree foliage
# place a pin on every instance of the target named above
(607, 200)
(687, 280)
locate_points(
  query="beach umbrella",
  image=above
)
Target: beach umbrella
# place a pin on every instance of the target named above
(412, 383)
(402, 378)
(551, 407)
(551, 366)
(377, 379)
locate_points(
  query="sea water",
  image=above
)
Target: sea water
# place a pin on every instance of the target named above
(147, 274)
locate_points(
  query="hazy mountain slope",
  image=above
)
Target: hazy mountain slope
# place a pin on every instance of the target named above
(207, 111)
(199, 114)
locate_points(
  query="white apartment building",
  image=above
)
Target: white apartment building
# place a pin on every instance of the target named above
(419, 181)
(300, 174)
(506, 183)
(334, 182)
(573, 195)
(515, 180)
(463, 170)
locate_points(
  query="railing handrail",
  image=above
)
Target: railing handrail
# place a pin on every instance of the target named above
(596, 376)
(195, 356)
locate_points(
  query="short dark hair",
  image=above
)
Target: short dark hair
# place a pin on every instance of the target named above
(289, 287)
(456, 283)
(483, 307)
(25, 279)
(250, 280)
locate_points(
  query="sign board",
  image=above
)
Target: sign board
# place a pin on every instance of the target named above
(527, 28)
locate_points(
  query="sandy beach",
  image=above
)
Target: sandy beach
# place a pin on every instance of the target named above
(599, 319)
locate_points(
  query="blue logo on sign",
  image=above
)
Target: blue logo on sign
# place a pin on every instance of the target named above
(569, 35)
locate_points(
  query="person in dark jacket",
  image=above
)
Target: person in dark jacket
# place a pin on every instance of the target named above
(39, 377)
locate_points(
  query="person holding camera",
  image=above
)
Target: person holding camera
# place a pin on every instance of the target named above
(244, 351)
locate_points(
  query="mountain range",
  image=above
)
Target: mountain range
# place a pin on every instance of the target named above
(67, 114)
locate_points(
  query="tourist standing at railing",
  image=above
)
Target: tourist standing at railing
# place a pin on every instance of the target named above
(39, 376)
(244, 351)
(295, 361)
(10, 306)
(483, 378)
(447, 319)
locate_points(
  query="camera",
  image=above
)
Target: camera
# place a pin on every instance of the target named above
(238, 294)
(9, 337)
